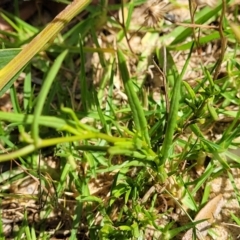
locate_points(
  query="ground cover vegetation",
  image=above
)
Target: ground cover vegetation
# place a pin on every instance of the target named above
(122, 125)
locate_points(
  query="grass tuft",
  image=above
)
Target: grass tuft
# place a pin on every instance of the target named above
(113, 128)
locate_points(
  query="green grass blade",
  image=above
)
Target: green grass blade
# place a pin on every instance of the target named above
(173, 113)
(27, 91)
(83, 82)
(6, 55)
(44, 92)
(201, 17)
(135, 105)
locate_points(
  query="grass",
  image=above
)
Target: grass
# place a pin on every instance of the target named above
(115, 163)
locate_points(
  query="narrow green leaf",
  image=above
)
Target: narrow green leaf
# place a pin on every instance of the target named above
(135, 105)
(44, 92)
(173, 113)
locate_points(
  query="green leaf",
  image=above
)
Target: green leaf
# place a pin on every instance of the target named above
(6, 55)
(137, 110)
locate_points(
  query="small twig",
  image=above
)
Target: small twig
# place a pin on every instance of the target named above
(194, 25)
(223, 41)
(163, 73)
(193, 9)
(155, 188)
(123, 26)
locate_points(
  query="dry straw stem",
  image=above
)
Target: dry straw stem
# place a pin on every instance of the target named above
(30, 50)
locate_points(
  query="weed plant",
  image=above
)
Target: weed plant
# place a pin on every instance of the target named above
(89, 153)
